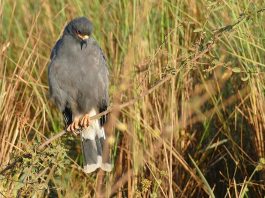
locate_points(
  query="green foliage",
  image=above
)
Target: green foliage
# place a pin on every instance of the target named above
(31, 174)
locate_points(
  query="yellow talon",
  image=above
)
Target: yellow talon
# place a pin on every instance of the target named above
(85, 121)
(73, 126)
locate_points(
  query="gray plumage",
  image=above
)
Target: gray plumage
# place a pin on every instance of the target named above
(78, 85)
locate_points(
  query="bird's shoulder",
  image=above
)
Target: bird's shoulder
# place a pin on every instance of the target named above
(56, 48)
(96, 48)
(103, 61)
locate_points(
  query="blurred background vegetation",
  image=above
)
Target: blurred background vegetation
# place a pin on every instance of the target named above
(197, 127)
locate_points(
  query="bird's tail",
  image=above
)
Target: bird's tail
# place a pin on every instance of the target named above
(93, 142)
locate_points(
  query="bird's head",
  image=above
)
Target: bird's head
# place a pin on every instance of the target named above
(80, 28)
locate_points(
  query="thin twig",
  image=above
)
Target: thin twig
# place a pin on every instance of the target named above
(19, 159)
(44, 144)
(118, 107)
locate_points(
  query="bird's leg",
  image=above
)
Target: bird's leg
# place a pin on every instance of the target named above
(74, 125)
(85, 121)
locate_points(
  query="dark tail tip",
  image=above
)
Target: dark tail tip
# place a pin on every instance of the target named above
(92, 151)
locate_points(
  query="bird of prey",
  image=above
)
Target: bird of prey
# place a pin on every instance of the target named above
(78, 85)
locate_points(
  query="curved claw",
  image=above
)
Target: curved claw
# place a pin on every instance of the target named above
(74, 126)
(85, 121)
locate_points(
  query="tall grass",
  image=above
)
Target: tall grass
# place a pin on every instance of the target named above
(197, 127)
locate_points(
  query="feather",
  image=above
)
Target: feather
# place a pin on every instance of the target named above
(93, 140)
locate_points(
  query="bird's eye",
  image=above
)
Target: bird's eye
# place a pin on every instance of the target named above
(77, 31)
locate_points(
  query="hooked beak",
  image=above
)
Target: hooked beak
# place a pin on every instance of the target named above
(83, 42)
(83, 37)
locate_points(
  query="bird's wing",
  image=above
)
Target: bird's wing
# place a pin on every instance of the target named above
(56, 92)
(56, 48)
(100, 68)
(105, 99)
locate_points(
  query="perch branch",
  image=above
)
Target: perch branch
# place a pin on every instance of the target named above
(118, 107)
